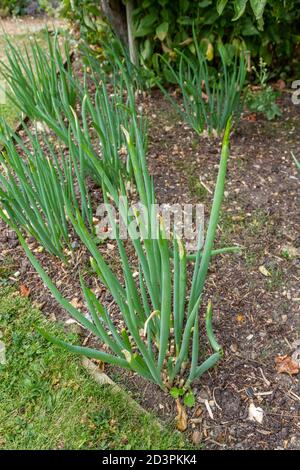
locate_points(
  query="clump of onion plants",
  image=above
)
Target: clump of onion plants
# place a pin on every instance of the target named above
(34, 185)
(160, 314)
(209, 99)
(104, 115)
(42, 84)
(37, 76)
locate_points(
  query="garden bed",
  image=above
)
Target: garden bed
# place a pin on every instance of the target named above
(256, 314)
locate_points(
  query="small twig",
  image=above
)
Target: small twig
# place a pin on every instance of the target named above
(209, 411)
(267, 382)
(218, 406)
(205, 186)
(215, 442)
(261, 394)
(293, 395)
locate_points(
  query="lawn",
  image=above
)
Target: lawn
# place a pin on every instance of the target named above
(49, 402)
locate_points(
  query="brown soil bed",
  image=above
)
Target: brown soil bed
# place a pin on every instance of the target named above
(256, 317)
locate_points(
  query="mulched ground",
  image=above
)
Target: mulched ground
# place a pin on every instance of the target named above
(256, 317)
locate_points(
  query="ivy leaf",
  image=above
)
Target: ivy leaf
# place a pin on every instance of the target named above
(239, 8)
(163, 3)
(162, 30)
(248, 28)
(189, 399)
(221, 4)
(146, 25)
(258, 7)
(204, 3)
(147, 49)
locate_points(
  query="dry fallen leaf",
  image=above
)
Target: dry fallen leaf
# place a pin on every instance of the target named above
(181, 417)
(112, 423)
(264, 271)
(198, 411)
(24, 291)
(286, 365)
(250, 117)
(279, 85)
(76, 302)
(99, 364)
(196, 437)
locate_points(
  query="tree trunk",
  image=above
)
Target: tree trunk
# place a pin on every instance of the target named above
(131, 41)
(115, 12)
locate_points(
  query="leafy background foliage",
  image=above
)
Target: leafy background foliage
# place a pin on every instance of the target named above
(12, 6)
(267, 28)
(27, 7)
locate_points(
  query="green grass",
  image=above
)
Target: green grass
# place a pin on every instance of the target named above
(48, 401)
(10, 113)
(276, 280)
(196, 188)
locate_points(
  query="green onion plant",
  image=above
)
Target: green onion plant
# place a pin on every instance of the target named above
(158, 305)
(33, 189)
(43, 87)
(160, 338)
(208, 99)
(34, 185)
(37, 76)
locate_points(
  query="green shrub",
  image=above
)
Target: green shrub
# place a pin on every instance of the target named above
(50, 7)
(267, 28)
(14, 7)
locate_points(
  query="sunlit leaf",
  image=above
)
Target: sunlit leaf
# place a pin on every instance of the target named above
(239, 8)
